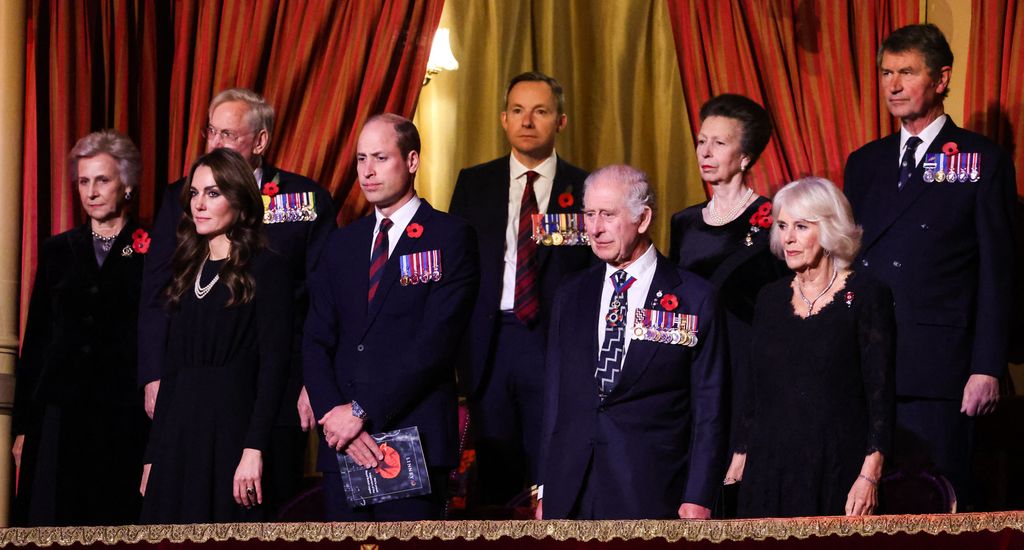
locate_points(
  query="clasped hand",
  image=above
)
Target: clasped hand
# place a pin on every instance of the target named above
(344, 432)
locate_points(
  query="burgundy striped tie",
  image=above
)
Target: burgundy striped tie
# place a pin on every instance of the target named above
(527, 303)
(378, 257)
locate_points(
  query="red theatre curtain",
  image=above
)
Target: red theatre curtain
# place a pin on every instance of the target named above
(811, 63)
(995, 90)
(149, 69)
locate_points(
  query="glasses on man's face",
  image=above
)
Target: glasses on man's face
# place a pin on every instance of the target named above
(226, 136)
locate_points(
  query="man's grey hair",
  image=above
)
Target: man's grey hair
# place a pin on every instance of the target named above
(260, 115)
(638, 193)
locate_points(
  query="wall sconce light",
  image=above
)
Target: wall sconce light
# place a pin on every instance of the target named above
(441, 57)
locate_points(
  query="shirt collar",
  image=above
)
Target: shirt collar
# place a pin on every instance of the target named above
(639, 269)
(927, 135)
(546, 169)
(402, 216)
(258, 172)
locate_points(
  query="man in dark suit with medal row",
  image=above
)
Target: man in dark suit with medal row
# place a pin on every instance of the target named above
(936, 204)
(634, 412)
(300, 215)
(390, 299)
(501, 364)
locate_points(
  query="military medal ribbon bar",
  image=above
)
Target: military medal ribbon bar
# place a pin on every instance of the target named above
(420, 267)
(663, 327)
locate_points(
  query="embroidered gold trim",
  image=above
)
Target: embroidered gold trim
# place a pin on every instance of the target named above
(603, 531)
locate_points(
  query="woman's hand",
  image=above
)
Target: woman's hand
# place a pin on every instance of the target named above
(19, 444)
(248, 491)
(735, 472)
(145, 478)
(863, 496)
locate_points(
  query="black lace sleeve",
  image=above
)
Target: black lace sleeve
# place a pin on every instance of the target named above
(876, 335)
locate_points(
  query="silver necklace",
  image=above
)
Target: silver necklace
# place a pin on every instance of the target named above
(106, 243)
(810, 303)
(717, 219)
(202, 291)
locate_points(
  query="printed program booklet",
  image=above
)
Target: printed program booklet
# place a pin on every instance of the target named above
(402, 473)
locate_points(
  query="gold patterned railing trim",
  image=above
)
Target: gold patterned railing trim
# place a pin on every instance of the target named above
(672, 531)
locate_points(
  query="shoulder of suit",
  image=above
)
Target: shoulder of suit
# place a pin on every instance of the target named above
(298, 182)
(876, 147)
(566, 169)
(487, 167)
(973, 142)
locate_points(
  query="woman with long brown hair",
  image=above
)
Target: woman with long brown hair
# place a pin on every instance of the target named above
(226, 360)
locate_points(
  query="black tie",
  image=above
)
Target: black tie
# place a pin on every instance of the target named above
(908, 164)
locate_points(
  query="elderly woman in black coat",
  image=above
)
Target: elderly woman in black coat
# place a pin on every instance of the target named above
(79, 421)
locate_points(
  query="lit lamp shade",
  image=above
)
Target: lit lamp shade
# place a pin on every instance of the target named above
(441, 56)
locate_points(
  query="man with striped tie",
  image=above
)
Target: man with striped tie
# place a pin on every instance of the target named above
(389, 300)
(634, 405)
(501, 362)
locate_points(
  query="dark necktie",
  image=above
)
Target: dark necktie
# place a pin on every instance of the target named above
(378, 258)
(527, 303)
(908, 164)
(609, 359)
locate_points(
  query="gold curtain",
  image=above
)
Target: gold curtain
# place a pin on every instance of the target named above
(624, 98)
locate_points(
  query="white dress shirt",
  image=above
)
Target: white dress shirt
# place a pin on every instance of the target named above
(636, 297)
(542, 189)
(927, 136)
(399, 221)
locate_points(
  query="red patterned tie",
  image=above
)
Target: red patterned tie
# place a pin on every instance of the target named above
(379, 257)
(527, 303)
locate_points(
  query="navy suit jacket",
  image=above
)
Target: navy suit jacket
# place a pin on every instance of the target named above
(394, 356)
(658, 440)
(298, 243)
(946, 251)
(481, 198)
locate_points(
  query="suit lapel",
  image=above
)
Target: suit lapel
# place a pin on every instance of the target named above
(85, 256)
(898, 201)
(389, 279)
(640, 353)
(588, 315)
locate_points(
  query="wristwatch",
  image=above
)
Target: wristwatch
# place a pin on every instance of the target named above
(358, 411)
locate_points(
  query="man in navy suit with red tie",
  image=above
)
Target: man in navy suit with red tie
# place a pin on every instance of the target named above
(634, 409)
(936, 204)
(378, 346)
(501, 363)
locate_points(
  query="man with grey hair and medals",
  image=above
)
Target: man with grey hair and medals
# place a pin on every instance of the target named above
(299, 215)
(634, 411)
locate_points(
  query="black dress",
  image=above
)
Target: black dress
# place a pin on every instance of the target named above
(823, 398)
(226, 372)
(721, 255)
(76, 401)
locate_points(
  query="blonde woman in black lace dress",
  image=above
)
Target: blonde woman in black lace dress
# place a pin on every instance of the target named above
(816, 433)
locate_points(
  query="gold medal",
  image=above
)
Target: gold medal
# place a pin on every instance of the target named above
(556, 239)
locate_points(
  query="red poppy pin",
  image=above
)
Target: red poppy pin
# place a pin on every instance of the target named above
(849, 299)
(414, 230)
(950, 148)
(565, 200)
(765, 209)
(669, 302)
(140, 241)
(270, 188)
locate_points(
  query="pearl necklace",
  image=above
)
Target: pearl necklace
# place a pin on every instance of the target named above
(202, 291)
(810, 303)
(717, 219)
(106, 243)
